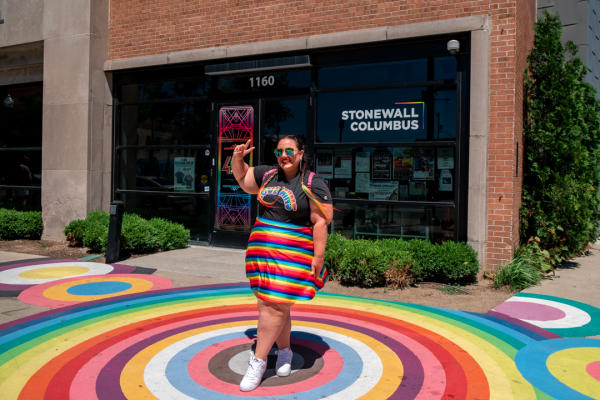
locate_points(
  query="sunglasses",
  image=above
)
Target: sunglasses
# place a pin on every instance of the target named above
(288, 152)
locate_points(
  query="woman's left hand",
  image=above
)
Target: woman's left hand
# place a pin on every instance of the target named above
(317, 266)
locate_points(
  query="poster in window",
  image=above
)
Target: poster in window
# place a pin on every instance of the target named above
(381, 166)
(423, 165)
(343, 165)
(403, 164)
(384, 191)
(325, 164)
(445, 184)
(184, 174)
(445, 158)
(362, 162)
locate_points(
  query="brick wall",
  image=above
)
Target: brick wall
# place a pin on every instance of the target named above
(147, 27)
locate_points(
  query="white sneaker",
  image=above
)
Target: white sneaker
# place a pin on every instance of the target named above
(283, 366)
(254, 374)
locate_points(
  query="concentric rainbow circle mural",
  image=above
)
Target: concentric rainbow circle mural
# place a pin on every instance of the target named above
(193, 343)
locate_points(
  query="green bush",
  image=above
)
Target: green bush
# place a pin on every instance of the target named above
(20, 224)
(95, 236)
(138, 235)
(170, 235)
(561, 134)
(362, 264)
(456, 263)
(75, 232)
(336, 247)
(397, 262)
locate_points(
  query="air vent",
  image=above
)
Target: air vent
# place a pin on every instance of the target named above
(258, 65)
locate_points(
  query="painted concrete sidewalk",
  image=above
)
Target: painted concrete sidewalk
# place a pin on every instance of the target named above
(156, 327)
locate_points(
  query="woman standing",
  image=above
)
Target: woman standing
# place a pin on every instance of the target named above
(284, 259)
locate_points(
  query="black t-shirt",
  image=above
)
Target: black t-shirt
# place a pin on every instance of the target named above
(292, 204)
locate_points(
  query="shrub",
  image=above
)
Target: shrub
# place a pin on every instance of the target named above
(425, 260)
(138, 235)
(75, 232)
(456, 263)
(170, 235)
(98, 217)
(561, 136)
(397, 262)
(362, 264)
(95, 236)
(336, 247)
(20, 224)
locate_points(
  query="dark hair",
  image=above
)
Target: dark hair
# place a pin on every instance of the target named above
(305, 163)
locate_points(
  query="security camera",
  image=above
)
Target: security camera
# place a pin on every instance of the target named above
(453, 46)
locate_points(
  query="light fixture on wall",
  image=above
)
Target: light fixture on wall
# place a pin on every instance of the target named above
(453, 46)
(8, 102)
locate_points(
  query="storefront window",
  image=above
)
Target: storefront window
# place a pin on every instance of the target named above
(156, 124)
(444, 68)
(389, 173)
(388, 136)
(375, 221)
(21, 146)
(282, 117)
(375, 74)
(159, 90)
(165, 170)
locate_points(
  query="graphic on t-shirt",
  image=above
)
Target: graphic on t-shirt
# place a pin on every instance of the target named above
(285, 194)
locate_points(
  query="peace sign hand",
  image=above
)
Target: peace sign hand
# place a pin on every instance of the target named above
(242, 150)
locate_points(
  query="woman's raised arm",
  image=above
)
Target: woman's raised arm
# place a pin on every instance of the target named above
(243, 174)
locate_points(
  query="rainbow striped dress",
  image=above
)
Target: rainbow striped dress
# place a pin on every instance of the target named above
(278, 262)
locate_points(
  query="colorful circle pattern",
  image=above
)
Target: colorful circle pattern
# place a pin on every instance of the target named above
(193, 343)
(70, 291)
(18, 276)
(564, 317)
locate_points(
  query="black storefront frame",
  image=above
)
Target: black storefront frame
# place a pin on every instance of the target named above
(341, 56)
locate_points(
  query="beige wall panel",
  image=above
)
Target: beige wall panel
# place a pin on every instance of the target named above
(22, 21)
(66, 18)
(64, 137)
(63, 200)
(66, 70)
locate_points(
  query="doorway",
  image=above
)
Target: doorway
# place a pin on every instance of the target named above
(262, 121)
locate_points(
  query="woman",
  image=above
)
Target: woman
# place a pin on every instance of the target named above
(284, 259)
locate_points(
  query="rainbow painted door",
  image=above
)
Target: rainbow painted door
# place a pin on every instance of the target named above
(234, 207)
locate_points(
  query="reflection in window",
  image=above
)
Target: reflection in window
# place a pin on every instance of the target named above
(282, 117)
(391, 221)
(444, 68)
(165, 170)
(445, 114)
(21, 145)
(385, 73)
(165, 124)
(172, 89)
